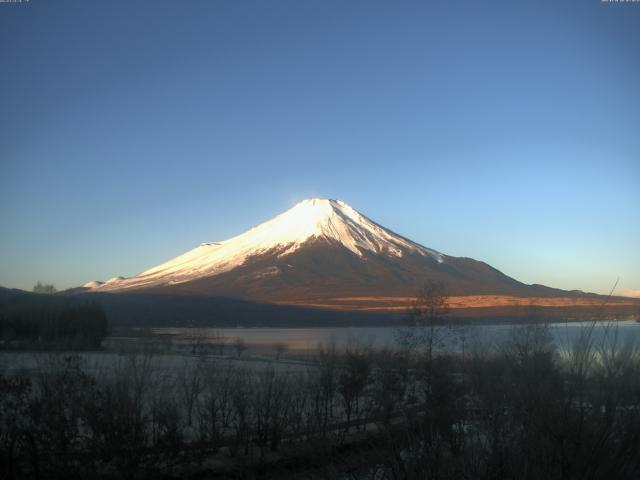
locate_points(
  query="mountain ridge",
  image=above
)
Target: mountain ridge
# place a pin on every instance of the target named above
(316, 253)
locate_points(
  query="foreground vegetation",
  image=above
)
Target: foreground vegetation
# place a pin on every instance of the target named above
(522, 410)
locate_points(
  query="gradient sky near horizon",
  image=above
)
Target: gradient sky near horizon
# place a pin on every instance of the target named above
(506, 131)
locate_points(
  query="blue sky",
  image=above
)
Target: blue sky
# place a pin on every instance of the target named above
(131, 131)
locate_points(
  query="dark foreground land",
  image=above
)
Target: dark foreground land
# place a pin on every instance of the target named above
(163, 407)
(521, 410)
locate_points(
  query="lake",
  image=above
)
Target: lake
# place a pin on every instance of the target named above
(175, 344)
(306, 340)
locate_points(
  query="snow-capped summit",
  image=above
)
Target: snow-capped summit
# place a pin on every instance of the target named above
(322, 219)
(317, 251)
(315, 219)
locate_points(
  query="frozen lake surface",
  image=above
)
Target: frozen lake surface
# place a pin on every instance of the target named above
(292, 348)
(486, 336)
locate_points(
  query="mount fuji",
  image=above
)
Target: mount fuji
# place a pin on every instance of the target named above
(321, 252)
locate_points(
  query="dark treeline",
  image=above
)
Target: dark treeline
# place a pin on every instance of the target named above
(47, 321)
(522, 410)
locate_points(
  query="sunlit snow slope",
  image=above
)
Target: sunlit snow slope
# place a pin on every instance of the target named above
(308, 221)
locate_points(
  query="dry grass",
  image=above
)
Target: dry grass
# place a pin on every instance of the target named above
(399, 304)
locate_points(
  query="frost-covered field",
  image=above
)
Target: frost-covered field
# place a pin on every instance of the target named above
(105, 362)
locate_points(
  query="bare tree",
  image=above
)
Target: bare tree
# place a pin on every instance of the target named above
(327, 366)
(239, 346)
(191, 383)
(431, 305)
(120, 414)
(353, 379)
(427, 318)
(200, 345)
(241, 391)
(215, 407)
(390, 381)
(281, 349)
(271, 403)
(218, 343)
